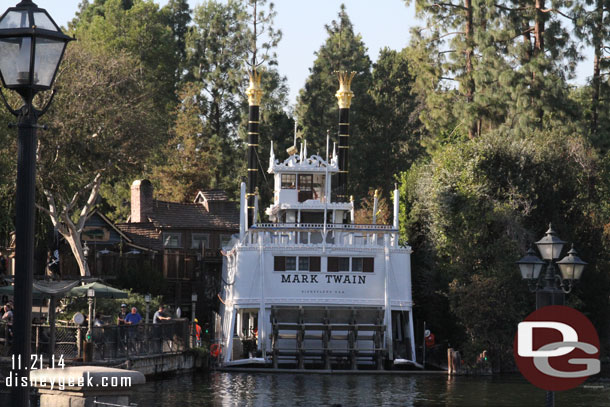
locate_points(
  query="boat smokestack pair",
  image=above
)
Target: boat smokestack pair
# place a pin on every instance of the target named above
(344, 96)
(255, 94)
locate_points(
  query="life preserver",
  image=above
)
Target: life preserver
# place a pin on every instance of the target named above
(215, 350)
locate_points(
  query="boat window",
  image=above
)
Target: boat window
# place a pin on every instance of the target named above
(304, 263)
(318, 187)
(314, 264)
(368, 264)
(279, 263)
(289, 181)
(305, 182)
(305, 187)
(291, 263)
(312, 217)
(333, 264)
(358, 264)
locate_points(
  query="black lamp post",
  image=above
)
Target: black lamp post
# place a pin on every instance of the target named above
(551, 287)
(31, 48)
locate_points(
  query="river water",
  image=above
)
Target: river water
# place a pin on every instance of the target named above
(283, 389)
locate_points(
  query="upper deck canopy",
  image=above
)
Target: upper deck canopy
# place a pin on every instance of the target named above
(300, 163)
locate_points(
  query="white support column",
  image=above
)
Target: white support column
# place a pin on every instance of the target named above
(243, 211)
(396, 206)
(396, 210)
(229, 345)
(375, 206)
(262, 337)
(412, 338)
(388, 301)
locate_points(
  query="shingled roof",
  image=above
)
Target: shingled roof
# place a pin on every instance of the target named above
(194, 216)
(143, 234)
(211, 210)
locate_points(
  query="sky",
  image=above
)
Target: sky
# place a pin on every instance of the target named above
(382, 23)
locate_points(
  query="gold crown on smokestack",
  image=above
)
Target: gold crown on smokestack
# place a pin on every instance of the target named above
(254, 91)
(344, 94)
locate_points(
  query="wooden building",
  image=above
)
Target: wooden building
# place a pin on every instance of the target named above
(185, 240)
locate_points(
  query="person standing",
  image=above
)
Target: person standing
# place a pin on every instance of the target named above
(197, 333)
(122, 314)
(160, 315)
(7, 319)
(120, 321)
(132, 319)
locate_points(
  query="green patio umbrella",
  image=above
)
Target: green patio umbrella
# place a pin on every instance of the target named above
(101, 291)
(43, 289)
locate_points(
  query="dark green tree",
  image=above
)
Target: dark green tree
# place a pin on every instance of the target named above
(317, 109)
(178, 16)
(392, 141)
(207, 146)
(140, 28)
(473, 209)
(509, 62)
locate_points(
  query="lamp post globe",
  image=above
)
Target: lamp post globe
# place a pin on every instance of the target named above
(571, 266)
(31, 48)
(530, 265)
(550, 245)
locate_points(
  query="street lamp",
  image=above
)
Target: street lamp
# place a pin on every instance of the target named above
(550, 287)
(147, 300)
(88, 347)
(31, 49)
(550, 283)
(90, 296)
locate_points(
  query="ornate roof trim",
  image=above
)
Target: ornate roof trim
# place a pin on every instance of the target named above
(294, 163)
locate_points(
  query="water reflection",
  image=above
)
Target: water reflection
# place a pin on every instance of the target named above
(278, 390)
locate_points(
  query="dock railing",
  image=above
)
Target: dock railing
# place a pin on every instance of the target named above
(110, 341)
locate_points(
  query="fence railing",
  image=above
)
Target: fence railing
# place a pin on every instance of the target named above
(315, 237)
(109, 341)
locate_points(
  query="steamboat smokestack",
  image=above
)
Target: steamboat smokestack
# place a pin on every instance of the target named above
(344, 96)
(255, 94)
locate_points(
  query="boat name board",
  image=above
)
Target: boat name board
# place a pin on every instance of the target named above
(323, 279)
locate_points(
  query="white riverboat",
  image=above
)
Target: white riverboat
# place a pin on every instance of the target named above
(311, 289)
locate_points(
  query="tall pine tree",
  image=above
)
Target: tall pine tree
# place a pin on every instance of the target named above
(317, 110)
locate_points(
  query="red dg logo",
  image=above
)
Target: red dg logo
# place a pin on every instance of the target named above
(556, 348)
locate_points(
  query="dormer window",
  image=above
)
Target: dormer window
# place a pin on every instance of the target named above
(289, 181)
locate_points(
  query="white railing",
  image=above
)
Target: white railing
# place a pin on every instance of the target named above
(314, 235)
(320, 226)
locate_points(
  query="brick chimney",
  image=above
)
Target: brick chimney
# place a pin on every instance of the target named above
(141, 200)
